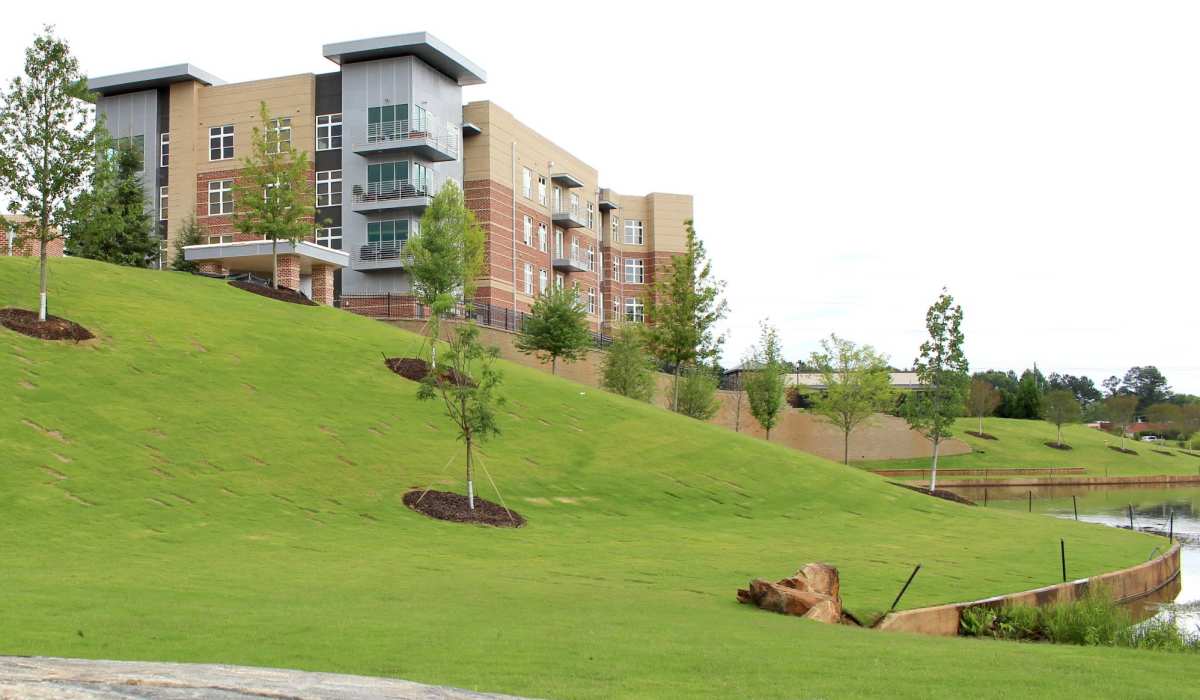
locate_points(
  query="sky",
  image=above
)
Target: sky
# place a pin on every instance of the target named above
(1040, 160)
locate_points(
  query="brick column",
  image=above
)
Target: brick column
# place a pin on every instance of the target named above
(289, 271)
(211, 268)
(322, 284)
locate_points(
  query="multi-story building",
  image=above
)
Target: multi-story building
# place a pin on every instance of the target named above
(386, 131)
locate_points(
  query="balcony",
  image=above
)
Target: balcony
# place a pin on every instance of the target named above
(431, 139)
(390, 195)
(574, 263)
(570, 217)
(566, 180)
(608, 200)
(379, 256)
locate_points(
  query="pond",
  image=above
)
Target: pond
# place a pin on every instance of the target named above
(1110, 505)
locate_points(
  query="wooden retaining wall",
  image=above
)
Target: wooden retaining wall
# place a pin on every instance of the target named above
(998, 472)
(1152, 480)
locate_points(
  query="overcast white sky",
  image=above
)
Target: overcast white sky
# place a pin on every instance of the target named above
(848, 159)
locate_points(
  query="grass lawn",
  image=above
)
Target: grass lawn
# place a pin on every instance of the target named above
(1021, 443)
(218, 479)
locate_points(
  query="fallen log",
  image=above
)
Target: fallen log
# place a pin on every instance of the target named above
(813, 592)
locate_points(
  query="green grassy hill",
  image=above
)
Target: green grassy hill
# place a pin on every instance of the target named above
(1022, 443)
(218, 478)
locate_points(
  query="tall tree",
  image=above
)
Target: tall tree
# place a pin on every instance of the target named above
(445, 256)
(627, 369)
(1147, 384)
(764, 384)
(274, 197)
(556, 327)
(942, 371)
(1060, 407)
(1028, 401)
(1006, 383)
(1120, 410)
(697, 396)
(1112, 385)
(1084, 389)
(46, 143)
(468, 389)
(684, 309)
(109, 220)
(189, 234)
(982, 400)
(858, 384)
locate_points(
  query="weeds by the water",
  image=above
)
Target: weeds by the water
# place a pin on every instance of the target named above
(1093, 620)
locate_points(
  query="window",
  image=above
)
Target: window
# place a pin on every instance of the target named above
(528, 278)
(224, 238)
(387, 235)
(543, 280)
(527, 232)
(633, 231)
(591, 216)
(574, 248)
(137, 144)
(387, 123)
(220, 197)
(164, 150)
(574, 204)
(329, 188)
(542, 237)
(591, 258)
(614, 228)
(162, 203)
(591, 301)
(558, 242)
(329, 132)
(558, 281)
(616, 307)
(634, 311)
(542, 190)
(330, 237)
(558, 199)
(526, 183)
(279, 132)
(220, 142)
(635, 270)
(387, 180)
(616, 268)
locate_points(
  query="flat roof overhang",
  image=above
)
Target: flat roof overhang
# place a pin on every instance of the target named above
(255, 256)
(151, 78)
(471, 129)
(566, 180)
(423, 45)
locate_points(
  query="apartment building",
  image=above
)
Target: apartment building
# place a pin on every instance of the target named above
(385, 132)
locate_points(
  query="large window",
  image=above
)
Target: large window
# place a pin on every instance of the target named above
(329, 132)
(528, 278)
(634, 232)
(162, 203)
(543, 280)
(220, 142)
(527, 231)
(635, 312)
(614, 228)
(526, 183)
(221, 239)
(542, 190)
(558, 242)
(329, 188)
(385, 179)
(542, 237)
(591, 216)
(390, 122)
(330, 237)
(591, 258)
(220, 197)
(164, 150)
(137, 144)
(389, 234)
(279, 134)
(635, 270)
(616, 267)
(591, 301)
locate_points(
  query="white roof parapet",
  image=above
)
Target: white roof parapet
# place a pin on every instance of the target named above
(151, 78)
(423, 45)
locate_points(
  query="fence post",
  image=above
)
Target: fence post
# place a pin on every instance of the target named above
(389, 304)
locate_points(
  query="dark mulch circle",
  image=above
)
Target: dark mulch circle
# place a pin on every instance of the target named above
(1193, 454)
(982, 436)
(1164, 452)
(1057, 446)
(1122, 450)
(416, 369)
(282, 294)
(443, 505)
(936, 493)
(53, 328)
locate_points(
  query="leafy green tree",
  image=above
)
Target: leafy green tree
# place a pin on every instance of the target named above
(274, 198)
(1084, 389)
(683, 310)
(698, 393)
(1147, 384)
(1121, 410)
(858, 384)
(445, 257)
(764, 385)
(47, 144)
(556, 327)
(627, 369)
(110, 221)
(189, 234)
(1112, 385)
(1006, 384)
(982, 400)
(1029, 397)
(468, 387)
(942, 371)
(1060, 407)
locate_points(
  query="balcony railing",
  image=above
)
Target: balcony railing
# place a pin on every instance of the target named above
(389, 190)
(379, 255)
(567, 216)
(442, 135)
(571, 263)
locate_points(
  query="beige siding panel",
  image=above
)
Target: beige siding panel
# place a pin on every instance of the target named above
(238, 104)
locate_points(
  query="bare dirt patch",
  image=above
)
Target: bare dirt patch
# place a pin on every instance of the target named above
(453, 507)
(981, 436)
(937, 493)
(53, 328)
(1122, 450)
(46, 431)
(282, 294)
(416, 369)
(1055, 445)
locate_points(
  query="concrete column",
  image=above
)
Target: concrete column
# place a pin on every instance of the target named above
(289, 271)
(322, 284)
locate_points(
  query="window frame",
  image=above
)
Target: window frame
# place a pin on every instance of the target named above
(277, 126)
(526, 183)
(222, 134)
(333, 142)
(542, 195)
(222, 200)
(543, 280)
(329, 181)
(635, 310)
(163, 197)
(326, 233)
(543, 234)
(528, 279)
(635, 268)
(164, 150)
(634, 226)
(527, 231)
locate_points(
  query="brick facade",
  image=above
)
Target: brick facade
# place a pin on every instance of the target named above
(322, 284)
(26, 244)
(288, 271)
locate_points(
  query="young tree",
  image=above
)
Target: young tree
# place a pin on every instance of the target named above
(189, 234)
(445, 257)
(1120, 410)
(942, 371)
(1059, 407)
(698, 393)
(468, 389)
(274, 198)
(683, 310)
(764, 384)
(982, 400)
(556, 327)
(627, 369)
(47, 143)
(857, 382)
(1027, 403)
(109, 221)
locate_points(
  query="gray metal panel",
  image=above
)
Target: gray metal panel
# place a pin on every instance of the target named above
(429, 48)
(151, 78)
(136, 114)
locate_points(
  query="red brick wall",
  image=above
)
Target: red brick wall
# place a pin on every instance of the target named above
(222, 224)
(27, 245)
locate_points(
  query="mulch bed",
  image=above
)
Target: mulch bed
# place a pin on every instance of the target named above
(282, 294)
(982, 436)
(454, 507)
(416, 369)
(1164, 452)
(1057, 446)
(53, 328)
(1122, 450)
(1194, 454)
(937, 493)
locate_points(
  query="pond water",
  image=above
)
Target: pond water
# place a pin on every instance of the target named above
(1110, 505)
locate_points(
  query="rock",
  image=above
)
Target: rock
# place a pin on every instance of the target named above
(814, 592)
(828, 611)
(821, 578)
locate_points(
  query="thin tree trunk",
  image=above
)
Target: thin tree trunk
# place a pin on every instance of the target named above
(737, 417)
(470, 477)
(675, 399)
(1060, 435)
(42, 278)
(937, 443)
(274, 265)
(768, 434)
(981, 424)
(553, 365)
(846, 447)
